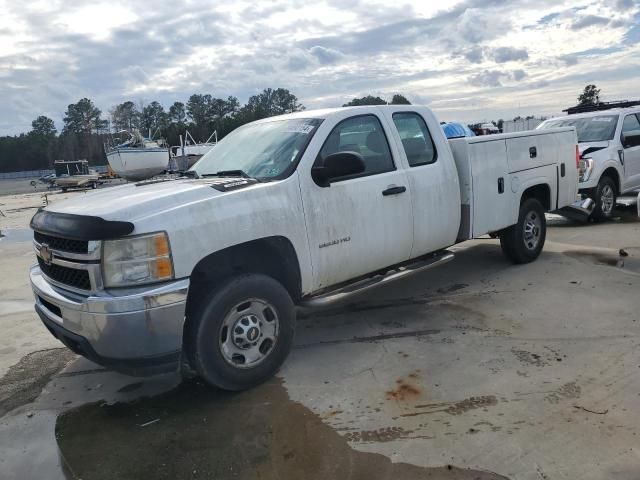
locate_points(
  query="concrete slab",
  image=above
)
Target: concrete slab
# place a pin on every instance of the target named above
(480, 369)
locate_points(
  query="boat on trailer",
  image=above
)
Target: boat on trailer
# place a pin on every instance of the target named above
(189, 151)
(138, 158)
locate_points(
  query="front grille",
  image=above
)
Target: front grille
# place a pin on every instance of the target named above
(63, 244)
(67, 276)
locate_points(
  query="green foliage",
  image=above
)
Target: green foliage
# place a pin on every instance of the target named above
(399, 100)
(368, 100)
(125, 116)
(153, 118)
(43, 127)
(83, 118)
(590, 96)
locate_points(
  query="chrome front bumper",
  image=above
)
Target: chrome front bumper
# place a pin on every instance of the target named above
(139, 331)
(579, 210)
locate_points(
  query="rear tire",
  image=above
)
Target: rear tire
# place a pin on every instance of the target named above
(241, 333)
(605, 199)
(523, 242)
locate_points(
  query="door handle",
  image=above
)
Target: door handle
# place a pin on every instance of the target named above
(533, 152)
(395, 190)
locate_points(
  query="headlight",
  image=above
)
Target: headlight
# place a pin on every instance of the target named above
(136, 260)
(585, 167)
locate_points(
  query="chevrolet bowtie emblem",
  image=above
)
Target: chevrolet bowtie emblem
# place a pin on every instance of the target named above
(46, 254)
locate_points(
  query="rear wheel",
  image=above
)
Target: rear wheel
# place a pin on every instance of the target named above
(605, 199)
(242, 332)
(523, 242)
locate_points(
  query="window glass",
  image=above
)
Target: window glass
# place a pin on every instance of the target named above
(416, 140)
(263, 150)
(590, 129)
(363, 135)
(630, 124)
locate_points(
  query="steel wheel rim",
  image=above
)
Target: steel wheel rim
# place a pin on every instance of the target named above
(249, 333)
(606, 199)
(532, 230)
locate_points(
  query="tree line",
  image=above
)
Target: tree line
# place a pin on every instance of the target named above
(86, 128)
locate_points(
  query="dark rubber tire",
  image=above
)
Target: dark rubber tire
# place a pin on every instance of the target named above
(598, 215)
(205, 327)
(512, 239)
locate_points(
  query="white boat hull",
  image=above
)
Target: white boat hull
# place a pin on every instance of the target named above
(138, 163)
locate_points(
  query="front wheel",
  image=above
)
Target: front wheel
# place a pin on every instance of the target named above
(242, 332)
(523, 242)
(605, 199)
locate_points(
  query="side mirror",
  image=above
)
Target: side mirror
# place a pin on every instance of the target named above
(336, 165)
(631, 139)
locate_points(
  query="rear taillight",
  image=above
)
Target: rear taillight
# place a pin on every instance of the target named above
(577, 157)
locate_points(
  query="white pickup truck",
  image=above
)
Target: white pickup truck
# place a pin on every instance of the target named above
(301, 209)
(609, 143)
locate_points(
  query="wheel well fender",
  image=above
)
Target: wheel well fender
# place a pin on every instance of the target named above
(614, 175)
(541, 192)
(273, 256)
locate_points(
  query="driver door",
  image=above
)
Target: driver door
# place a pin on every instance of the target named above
(361, 223)
(631, 127)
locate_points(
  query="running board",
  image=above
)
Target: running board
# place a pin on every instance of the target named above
(332, 296)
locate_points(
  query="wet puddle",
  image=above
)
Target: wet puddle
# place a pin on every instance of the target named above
(627, 259)
(16, 235)
(196, 432)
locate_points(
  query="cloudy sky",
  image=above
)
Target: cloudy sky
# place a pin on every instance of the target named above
(468, 59)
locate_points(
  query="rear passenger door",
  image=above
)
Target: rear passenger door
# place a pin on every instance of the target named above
(363, 222)
(432, 177)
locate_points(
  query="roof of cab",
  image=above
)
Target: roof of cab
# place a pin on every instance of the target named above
(599, 113)
(327, 112)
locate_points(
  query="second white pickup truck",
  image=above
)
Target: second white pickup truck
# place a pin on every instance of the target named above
(301, 209)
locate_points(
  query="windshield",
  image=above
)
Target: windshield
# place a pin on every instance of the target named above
(261, 150)
(590, 129)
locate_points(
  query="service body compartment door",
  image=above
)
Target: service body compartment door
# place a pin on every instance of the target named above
(564, 143)
(527, 152)
(492, 195)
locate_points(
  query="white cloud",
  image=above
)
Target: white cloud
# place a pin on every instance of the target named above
(469, 58)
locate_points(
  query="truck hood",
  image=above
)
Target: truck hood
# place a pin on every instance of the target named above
(592, 146)
(133, 201)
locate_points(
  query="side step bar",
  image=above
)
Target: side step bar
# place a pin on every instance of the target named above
(327, 298)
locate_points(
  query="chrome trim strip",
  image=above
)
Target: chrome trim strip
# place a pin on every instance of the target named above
(94, 251)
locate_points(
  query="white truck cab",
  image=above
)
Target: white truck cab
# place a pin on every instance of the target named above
(301, 209)
(609, 143)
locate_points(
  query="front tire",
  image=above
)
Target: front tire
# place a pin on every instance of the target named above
(523, 242)
(605, 199)
(241, 333)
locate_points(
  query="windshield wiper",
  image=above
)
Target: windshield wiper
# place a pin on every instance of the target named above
(228, 173)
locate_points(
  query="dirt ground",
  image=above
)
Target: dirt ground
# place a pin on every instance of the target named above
(478, 370)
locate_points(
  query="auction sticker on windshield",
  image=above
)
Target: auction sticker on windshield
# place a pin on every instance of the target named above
(602, 119)
(305, 128)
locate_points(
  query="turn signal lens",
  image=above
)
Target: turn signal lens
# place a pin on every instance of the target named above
(577, 157)
(161, 245)
(163, 268)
